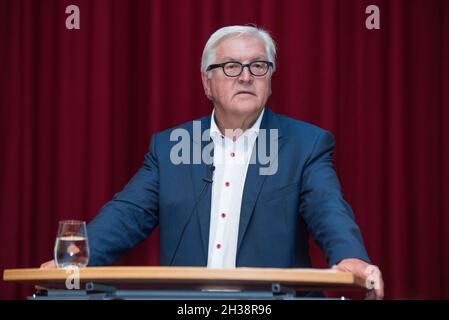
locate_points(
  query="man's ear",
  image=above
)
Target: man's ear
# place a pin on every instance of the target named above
(271, 75)
(206, 85)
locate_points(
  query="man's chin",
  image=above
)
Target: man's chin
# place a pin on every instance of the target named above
(245, 109)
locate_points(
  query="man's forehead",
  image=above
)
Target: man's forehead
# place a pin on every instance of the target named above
(240, 48)
(240, 58)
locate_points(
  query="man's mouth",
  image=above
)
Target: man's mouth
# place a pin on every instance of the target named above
(245, 92)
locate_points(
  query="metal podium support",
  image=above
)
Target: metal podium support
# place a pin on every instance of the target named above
(97, 291)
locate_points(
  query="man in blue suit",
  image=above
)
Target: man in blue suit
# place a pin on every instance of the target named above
(218, 199)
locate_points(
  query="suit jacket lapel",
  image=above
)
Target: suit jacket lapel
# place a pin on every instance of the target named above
(202, 189)
(254, 180)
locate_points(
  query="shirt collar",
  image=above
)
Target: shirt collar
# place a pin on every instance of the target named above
(254, 130)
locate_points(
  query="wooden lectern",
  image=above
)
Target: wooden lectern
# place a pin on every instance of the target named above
(181, 282)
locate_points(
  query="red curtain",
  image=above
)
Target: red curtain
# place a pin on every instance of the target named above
(78, 107)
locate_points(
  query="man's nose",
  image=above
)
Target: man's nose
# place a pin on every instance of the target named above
(246, 76)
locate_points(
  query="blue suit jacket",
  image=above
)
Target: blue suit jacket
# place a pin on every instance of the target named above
(277, 214)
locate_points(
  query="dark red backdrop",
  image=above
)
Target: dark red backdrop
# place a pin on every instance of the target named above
(78, 107)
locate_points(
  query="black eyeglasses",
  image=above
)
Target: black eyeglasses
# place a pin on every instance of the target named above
(235, 68)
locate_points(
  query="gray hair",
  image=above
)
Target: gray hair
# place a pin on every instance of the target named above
(208, 57)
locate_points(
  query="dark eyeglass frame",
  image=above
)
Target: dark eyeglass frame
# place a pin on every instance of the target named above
(222, 65)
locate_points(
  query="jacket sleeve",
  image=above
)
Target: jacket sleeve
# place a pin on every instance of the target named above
(129, 217)
(328, 216)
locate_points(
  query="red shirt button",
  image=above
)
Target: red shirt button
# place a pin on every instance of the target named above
(232, 154)
(227, 184)
(218, 246)
(223, 215)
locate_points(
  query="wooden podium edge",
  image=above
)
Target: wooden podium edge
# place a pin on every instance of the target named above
(305, 278)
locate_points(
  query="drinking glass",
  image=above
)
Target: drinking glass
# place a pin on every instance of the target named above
(71, 247)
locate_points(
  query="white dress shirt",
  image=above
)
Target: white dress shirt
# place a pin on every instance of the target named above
(231, 159)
